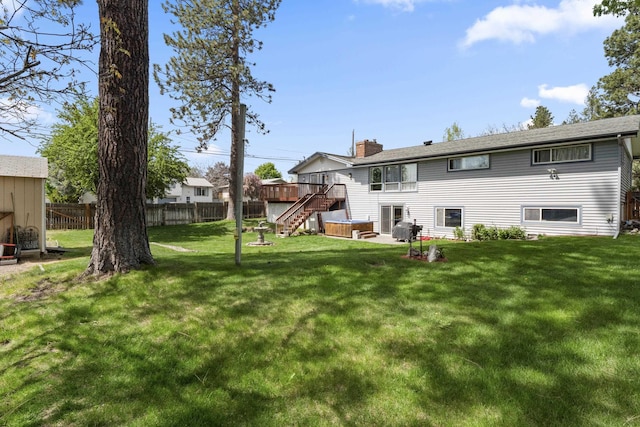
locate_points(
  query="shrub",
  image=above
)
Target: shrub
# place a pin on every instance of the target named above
(458, 233)
(481, 232)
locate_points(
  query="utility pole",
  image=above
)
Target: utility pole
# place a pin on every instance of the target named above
(239, 183)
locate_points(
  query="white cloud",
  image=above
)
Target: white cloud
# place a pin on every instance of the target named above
(529, 103)
(209, 156)
(10, 6)
(575, 94)
(402, 5)
(523, 23)
(18, 111)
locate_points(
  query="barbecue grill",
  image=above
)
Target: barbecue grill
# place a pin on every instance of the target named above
(406, 231)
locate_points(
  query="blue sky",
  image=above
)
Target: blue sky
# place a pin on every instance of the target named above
(398, 71)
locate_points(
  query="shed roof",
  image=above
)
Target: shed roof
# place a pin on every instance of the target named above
(197, 182)
(23, 166)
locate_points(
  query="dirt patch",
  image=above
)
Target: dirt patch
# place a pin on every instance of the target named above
(175, 248)
(43, 289)
(26, 264)
(424, 258)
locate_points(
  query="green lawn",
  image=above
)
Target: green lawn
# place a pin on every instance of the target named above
(320, 331)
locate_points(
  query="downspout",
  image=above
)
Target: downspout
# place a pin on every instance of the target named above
(618, 204)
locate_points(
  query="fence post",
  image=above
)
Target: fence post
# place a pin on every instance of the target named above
(163, 217)
(87, 216)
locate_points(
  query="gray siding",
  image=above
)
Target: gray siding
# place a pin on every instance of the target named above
(496, 196)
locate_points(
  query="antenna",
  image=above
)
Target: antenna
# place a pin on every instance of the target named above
(353, 142)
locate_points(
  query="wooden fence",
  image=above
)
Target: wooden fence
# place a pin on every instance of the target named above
(633, 205)
(72, 216)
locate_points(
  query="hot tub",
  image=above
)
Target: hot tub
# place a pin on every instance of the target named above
(345, 227)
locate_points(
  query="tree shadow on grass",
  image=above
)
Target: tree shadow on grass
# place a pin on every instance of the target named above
(339, 334)
(536, 336)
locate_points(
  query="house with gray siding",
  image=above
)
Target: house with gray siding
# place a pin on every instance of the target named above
(561, 180)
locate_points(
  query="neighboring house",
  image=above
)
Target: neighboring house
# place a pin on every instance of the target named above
(562, 180)
(192, 190)
(23, 212)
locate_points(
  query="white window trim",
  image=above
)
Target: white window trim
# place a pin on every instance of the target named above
(450, 169)
(535, 150)
(400, 184)
(578, 220)
(435, 217)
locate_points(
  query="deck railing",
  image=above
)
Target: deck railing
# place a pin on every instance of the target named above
(288, 192)
(304, 207)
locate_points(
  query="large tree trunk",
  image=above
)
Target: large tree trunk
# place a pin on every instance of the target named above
(120, 241)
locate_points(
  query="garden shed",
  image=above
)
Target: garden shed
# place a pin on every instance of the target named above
(22, 203)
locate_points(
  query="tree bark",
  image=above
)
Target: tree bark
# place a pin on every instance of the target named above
(120, 240)
(235, 108)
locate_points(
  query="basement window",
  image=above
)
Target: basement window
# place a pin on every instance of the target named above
(448, 217)
(554, 214)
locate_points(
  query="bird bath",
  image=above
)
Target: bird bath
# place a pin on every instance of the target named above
(260, 229)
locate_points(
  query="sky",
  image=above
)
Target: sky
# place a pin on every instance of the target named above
(397, 71)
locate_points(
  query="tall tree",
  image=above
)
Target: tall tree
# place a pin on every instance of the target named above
(120, 241)
(615, 7)
(196, 172)
(72, 152)
(251, 186)
(494, 130)
(619, 91)
(38, 66)
(218, 175)
(210, 69)
(453, 133)
(542, 119)
(267, 171)
(165, 165)
(593, 109)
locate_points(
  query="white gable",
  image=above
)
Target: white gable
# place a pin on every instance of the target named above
(321, 164)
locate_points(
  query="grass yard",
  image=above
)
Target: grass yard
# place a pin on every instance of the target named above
(320, 331)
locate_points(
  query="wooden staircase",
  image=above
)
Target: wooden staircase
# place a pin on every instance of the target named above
(291, 219)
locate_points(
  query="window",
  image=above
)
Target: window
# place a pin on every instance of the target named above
(375, 178)
(470, 162)
(201, 191)
(448, 217)
(569, 153)
(534, 214)
(393, 177)
(409, 177)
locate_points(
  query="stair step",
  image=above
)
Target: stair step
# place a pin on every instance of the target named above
(368, 234)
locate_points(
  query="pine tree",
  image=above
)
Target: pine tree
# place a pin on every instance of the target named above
(120, 241)
(542, 119)
(210, 69)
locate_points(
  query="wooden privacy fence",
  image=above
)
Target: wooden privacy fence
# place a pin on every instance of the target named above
(633, 205)
(72, 216)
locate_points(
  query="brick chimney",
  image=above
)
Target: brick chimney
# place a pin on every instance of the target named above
(367, 148)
